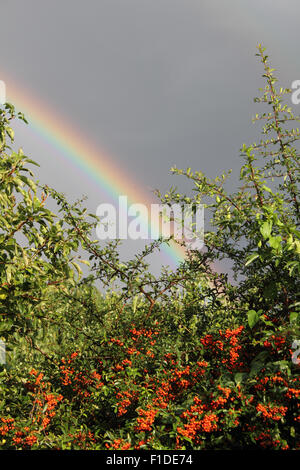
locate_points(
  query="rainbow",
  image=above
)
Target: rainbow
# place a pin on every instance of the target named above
(73, 146)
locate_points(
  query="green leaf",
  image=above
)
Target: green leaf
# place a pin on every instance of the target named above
(134, 303)
(6, 325)
(10, 133)
(239, 377)
(265, 229)
(275, 242)
(251, 258)
(294, 317)
(77, 267)
(253, 318)
(258, 363)
(8, 273)
(83, 261)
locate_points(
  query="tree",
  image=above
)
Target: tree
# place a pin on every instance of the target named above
(187, 360)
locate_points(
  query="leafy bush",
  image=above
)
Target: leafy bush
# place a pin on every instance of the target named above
(187, 360)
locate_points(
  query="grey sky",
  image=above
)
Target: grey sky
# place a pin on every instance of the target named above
(153, 82)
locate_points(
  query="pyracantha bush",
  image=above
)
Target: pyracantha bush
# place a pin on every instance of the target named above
(187, 360)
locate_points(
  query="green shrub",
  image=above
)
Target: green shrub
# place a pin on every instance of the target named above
(187, 360)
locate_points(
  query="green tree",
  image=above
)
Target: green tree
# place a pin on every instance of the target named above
(185, 360)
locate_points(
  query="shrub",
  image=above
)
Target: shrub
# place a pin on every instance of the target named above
(187, 360)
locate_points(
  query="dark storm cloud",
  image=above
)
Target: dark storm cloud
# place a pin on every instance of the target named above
(155, 83)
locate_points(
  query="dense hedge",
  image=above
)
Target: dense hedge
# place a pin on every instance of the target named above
(158, 386)
(185, 360)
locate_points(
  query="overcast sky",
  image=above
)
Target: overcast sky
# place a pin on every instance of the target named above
(154, 83)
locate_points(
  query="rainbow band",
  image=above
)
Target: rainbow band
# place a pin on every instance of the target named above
(73, 146)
